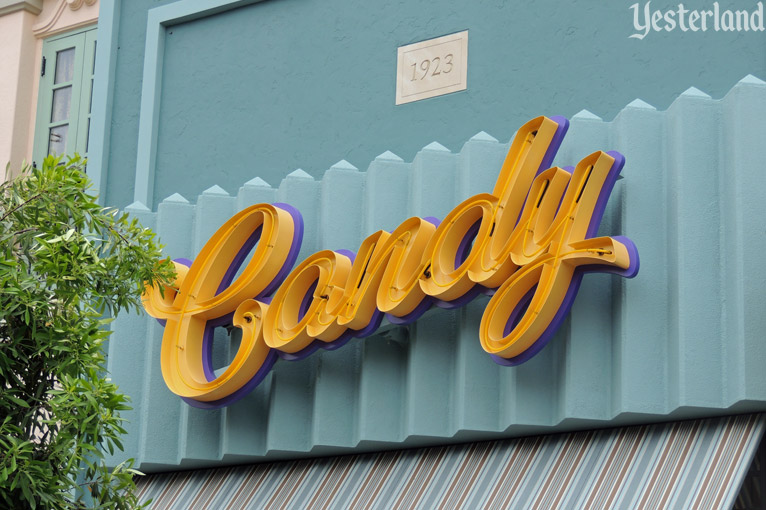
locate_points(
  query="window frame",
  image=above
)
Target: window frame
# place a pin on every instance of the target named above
(83, 40)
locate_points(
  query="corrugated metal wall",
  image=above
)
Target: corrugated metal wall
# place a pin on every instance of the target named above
(683, 339)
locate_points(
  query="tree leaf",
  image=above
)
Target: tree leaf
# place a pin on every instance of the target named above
(67, 268)
(16, 400)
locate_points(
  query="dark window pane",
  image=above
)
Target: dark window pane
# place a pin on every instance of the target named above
(57, 139)
(62, 100)
(64, 65)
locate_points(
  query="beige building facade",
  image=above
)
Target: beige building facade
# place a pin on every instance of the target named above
(27, 29)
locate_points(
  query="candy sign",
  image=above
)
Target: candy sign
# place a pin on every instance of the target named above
(528, 244)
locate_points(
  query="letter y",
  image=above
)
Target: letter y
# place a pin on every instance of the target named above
(637, 25)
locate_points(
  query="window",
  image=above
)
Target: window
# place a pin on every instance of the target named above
(65, 95)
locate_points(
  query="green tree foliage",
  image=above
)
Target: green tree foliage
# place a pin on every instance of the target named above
(66, 263)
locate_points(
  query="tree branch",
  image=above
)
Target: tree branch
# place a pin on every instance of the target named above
(25, 202)
(22, 231)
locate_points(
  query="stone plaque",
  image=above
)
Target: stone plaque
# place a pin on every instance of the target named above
(432, 68)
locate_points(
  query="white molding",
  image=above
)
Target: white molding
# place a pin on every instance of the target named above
(76, 4)
(51, 25)
(11, 6)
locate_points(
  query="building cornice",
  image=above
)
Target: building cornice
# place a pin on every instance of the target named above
(11, 6)
(76, 4)
(51, 25)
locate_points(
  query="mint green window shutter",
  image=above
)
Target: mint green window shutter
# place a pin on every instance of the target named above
(64, 97)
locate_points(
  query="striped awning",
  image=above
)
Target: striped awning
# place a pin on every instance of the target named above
(688, 464)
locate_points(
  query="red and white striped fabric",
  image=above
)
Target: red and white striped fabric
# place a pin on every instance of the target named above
(689, 464)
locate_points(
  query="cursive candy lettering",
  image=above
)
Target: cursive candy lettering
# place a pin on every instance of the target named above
(528, 244)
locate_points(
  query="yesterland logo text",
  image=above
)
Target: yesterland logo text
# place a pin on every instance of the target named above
(715, 19)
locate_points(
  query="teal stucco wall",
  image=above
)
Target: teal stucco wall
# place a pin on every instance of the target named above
(273, 86)
(683, 339)
(195, 101)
